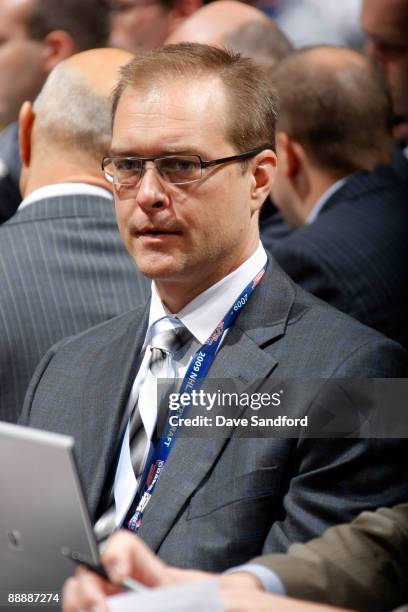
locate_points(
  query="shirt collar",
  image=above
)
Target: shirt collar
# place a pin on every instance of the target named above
(63, 189)
(202, 315)
(324, 198)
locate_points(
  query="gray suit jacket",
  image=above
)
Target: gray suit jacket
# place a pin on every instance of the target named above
(362, 565)
(63, 269)
(220, 501)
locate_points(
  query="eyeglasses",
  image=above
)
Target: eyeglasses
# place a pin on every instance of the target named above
(176, 169)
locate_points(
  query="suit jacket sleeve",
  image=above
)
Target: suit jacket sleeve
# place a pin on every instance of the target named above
(362, 565)
(24, 418)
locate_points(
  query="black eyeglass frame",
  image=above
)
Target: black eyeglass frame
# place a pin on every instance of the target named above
(203, 163)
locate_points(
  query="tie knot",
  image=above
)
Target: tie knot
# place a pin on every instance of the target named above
(168, 335)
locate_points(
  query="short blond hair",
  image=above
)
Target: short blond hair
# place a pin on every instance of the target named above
(252, 101)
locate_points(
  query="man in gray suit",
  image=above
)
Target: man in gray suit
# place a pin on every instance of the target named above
(191, 167)
(63, 267)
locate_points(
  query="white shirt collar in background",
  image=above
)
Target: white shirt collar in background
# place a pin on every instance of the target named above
(63, 189)
(322, 201)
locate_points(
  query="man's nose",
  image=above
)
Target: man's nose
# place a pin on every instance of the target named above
(152, 188)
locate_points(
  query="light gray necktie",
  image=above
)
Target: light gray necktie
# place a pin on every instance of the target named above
(168, 335)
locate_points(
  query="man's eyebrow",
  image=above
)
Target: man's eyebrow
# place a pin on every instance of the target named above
(113, 152)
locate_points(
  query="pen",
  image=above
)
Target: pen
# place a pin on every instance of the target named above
(128, 584)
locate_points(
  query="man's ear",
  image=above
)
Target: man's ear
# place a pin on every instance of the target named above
(58, 45)
(263, 174)
(288, 152)
(26, 121)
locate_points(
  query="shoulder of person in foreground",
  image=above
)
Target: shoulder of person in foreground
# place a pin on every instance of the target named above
(362, 564)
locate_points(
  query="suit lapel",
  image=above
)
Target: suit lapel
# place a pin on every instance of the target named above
(104, 403)
(242, 360)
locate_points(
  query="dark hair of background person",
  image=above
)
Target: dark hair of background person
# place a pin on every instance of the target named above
(87, 21)
(341, 114)
(263, 41)
(251, 98)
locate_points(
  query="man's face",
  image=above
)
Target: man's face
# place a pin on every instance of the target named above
(139, 25)
(186, 237)
(385, 23)
(21, 68)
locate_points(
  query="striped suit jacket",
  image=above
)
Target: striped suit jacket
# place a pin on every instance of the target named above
(355, 254)
(63, 269)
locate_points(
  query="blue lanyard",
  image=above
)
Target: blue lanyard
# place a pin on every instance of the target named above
(193, 380)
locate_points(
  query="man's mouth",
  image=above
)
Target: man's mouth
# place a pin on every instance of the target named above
(156, 231)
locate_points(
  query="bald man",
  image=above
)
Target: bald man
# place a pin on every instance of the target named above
(63, 265)
(237, 26)
(213, 22)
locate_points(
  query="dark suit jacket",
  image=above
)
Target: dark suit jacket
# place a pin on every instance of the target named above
(355, 254)
(63, 269)
(362, 565)
(220, 501)
(400, 163)
(10, 167)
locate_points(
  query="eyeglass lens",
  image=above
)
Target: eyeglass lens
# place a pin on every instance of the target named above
(175, 169)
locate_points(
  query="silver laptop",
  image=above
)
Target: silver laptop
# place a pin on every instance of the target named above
(42, 513)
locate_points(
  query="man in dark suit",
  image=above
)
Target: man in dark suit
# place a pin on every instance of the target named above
(361, 566)
(35, 35)
(62, 263)
(191, 169)
(348, 211)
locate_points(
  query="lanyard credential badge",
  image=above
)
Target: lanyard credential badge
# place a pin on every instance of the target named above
(193, 380)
